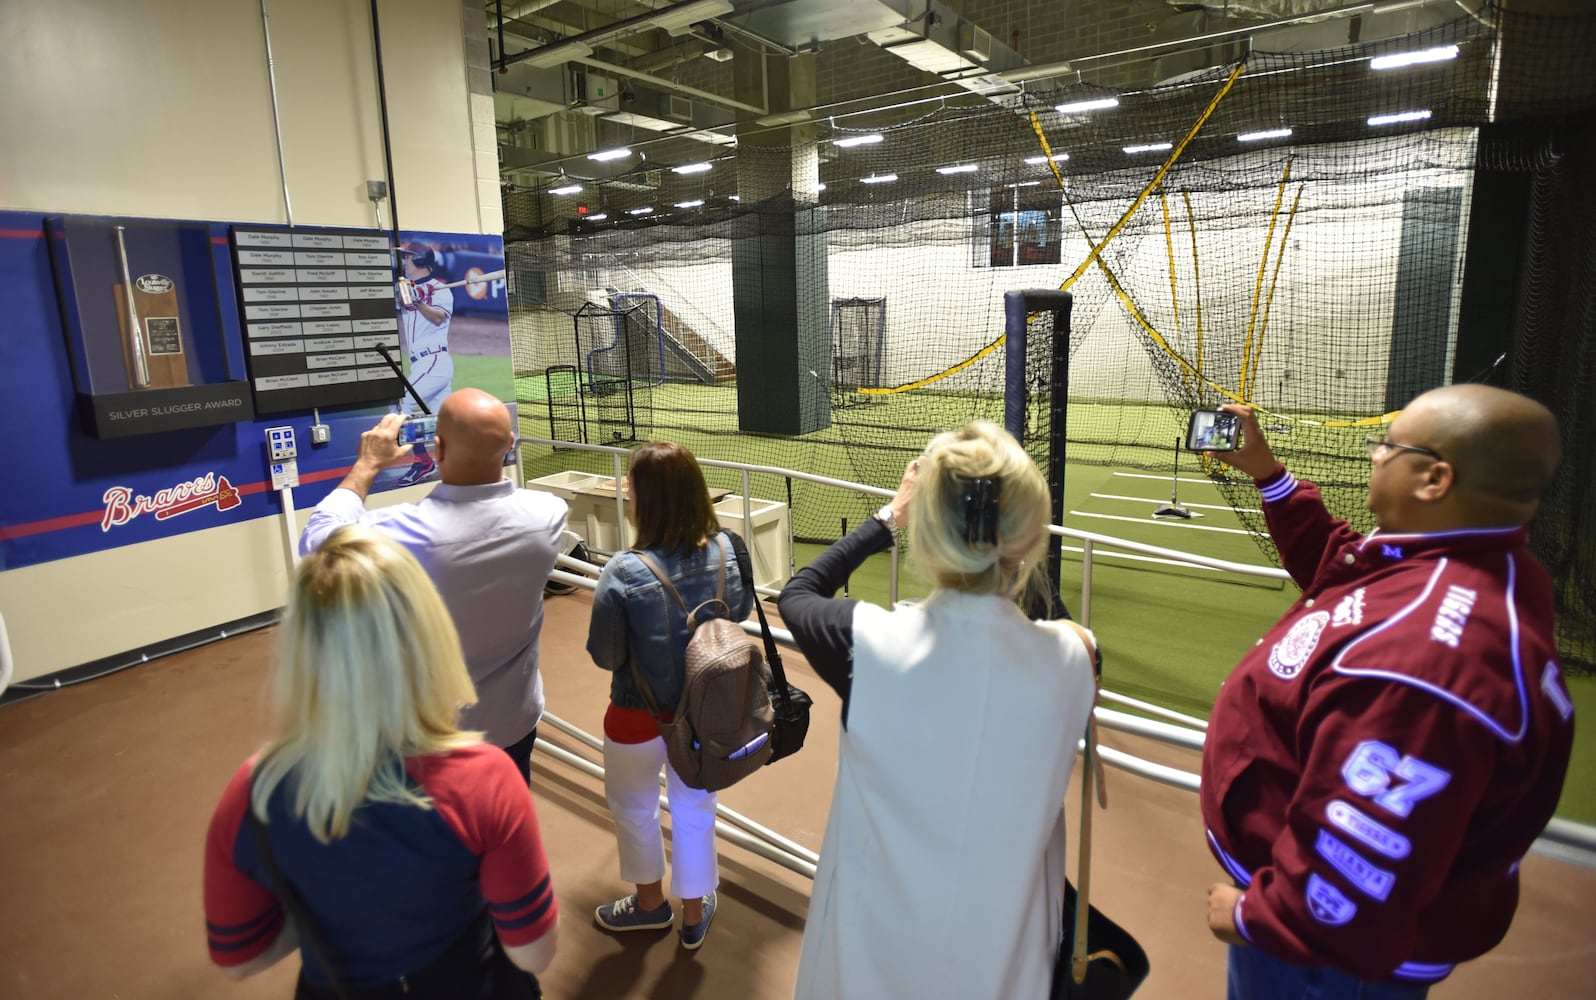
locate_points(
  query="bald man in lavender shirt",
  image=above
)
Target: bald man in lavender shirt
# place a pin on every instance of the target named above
(488, 547)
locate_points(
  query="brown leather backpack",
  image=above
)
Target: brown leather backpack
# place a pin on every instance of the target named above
(721, 730)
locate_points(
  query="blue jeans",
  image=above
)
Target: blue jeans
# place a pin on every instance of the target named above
(1255, 975)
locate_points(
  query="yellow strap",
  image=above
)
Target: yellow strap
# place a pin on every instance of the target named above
(1158, 178)
(1257, 286)
(1280, 255)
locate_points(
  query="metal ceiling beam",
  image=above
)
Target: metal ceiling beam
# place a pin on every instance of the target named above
(632, 74)
(618, 29)
(1349, 10)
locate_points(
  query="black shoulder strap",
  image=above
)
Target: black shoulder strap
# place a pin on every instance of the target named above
(772, 654)
(309, 933)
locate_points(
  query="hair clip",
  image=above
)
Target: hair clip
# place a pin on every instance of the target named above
(981, 508)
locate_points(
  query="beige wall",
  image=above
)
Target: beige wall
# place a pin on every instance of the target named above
(162, 108)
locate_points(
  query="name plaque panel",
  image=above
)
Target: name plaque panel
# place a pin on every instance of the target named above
(303, 294)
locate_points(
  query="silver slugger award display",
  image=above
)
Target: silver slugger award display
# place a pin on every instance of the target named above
(152, 336)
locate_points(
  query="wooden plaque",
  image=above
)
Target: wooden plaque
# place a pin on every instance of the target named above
(165, 365)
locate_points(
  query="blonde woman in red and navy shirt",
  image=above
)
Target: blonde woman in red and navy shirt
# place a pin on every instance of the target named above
(409, 848)
(1378, 765)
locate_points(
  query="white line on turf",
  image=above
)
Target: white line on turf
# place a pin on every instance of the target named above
(1202, 506)
(1142, 475)
(1173, 524)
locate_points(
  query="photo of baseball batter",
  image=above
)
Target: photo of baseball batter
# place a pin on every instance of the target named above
(454, 326)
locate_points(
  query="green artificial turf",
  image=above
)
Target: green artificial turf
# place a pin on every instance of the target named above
(1170, 634)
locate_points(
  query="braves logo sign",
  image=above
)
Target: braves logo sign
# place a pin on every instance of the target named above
(122, 506)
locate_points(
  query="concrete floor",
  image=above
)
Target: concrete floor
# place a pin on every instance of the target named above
(106, 790)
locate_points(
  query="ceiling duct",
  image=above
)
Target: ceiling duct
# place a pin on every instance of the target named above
(934, 37)
(677, 19)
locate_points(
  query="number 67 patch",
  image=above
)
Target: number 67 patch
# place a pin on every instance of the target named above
(1371, 767)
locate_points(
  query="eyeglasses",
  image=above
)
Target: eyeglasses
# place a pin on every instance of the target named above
(1374, 445)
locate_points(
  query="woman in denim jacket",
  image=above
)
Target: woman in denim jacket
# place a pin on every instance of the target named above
(635, 621)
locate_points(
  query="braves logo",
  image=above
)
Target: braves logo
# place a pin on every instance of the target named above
(121, 506)
(1287, 657)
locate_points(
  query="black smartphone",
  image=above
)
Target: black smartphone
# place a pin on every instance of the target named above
(418, 429)
(1213, 430)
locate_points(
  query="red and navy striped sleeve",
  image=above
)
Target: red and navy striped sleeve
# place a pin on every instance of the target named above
(242, 917)
(480, 793)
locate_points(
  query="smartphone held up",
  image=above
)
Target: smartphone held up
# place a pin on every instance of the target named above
(418, 429)
(1213, 430)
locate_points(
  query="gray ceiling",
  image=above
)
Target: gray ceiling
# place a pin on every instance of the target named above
(682, 77)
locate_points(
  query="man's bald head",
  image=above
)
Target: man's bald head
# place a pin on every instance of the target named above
(1504, 448)
(474, 435)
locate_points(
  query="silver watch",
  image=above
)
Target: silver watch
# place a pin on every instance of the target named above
(884, 515)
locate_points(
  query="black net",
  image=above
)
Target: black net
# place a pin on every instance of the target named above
(1288, 231)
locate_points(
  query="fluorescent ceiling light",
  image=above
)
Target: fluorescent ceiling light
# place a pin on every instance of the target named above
(1400, 116)
(1027, 184)
(567, 189)
(963, 168)
(1440, 53)
(691, 168)
(878, 179)
(820, 187)
(678, 18)
(735, 197)
(558, 53)
(1095, 104)
(598, 218)
(1273, 133)
(690, 204)
(605, 155)
(1036, 161)
(858, 140)
(1151, 147)
(639, 211)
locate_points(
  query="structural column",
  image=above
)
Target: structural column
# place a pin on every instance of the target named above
(781, 301)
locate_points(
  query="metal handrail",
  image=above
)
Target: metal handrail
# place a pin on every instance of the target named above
(1563, 838)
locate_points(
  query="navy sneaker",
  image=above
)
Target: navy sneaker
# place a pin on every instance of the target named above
(623, 915)
(417, 472)
(693, 934)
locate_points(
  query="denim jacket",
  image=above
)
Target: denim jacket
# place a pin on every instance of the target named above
(634, 619)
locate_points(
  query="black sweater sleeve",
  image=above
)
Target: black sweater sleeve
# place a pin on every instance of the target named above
(821, 624)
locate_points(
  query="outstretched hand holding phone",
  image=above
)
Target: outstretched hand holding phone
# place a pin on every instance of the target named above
(1253, 456)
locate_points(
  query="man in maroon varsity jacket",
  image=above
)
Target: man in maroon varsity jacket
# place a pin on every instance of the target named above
(1379, 763)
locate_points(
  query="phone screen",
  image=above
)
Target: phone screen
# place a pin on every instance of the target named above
(1213, 430)
(418, 428)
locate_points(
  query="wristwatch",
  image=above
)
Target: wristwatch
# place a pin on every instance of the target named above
(884, 515)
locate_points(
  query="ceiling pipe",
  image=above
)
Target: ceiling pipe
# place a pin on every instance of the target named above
(632, 74)
(582, 45)
(1349, 10)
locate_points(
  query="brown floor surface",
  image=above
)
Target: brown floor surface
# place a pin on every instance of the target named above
(106, 789)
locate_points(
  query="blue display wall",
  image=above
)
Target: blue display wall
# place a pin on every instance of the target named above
(65, 492)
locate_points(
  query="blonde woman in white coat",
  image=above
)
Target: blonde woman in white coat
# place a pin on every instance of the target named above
(942, 869)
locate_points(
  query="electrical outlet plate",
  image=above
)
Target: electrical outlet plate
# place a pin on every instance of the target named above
(320, 433)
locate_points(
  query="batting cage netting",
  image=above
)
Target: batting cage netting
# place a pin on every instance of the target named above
(1290, 231)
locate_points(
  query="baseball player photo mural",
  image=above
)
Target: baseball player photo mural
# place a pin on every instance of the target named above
(426, 306)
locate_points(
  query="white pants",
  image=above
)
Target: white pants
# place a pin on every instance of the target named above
(431, 376)
(631, 784)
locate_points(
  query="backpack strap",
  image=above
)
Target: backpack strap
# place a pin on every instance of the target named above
(778, 691)
(692, 621)
(309, 933)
